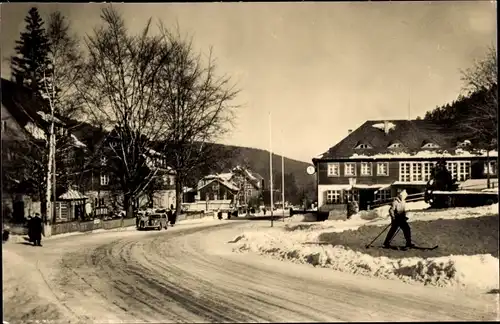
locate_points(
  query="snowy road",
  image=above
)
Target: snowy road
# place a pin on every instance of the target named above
(189, 274)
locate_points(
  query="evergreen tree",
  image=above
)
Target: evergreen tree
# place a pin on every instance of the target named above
(32, 53)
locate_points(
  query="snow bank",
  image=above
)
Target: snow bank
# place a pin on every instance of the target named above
(297, 242)
(478, 271)
(25, 294)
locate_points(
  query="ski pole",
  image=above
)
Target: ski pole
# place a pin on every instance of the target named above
(368, 245)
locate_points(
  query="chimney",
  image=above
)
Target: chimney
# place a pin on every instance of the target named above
(386, 127)
(349, 131)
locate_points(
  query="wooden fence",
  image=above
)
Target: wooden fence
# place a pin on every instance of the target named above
(87, 226)
(410, 198)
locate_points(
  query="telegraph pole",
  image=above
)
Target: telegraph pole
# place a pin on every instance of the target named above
(271, 167)
(283, 185)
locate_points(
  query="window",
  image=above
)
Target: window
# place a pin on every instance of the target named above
(69, 157)
(351, 195)
(363, 146)
(104, 179)
(395, 145)
(416, 171)
(491, 168)
(104, 161)
(427, 170)
(350, 169)
(459, 170)
(452, 167)
(383, 194)
(333, 197)
(366, 168)
(422, 171)
(382, 169)
(404, 172)
(333, 169)
(463, 170)
(430, 146)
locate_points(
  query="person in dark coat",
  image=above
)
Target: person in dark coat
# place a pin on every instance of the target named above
(399, 220)
(36, 230)
(174, 215)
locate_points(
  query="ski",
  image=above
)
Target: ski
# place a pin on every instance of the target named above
(404, 248)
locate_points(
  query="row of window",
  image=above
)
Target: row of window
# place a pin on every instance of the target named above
(344, 196)
(421, 171)
(104, 180)
(399, 145)
(350, 169)
(410, 171)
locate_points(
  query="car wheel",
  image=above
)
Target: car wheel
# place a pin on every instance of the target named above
(159, 227)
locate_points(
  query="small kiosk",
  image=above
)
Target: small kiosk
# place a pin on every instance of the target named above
(71, 206)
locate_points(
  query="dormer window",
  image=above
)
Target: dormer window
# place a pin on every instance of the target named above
(430, 145)
(395, 146)
(363, 146)
(464, 144)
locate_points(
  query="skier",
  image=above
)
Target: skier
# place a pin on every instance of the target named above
(399, 220)
(36, 226)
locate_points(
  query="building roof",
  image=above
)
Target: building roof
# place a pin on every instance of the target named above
(413, 135)
(72, 194)
(225, 183)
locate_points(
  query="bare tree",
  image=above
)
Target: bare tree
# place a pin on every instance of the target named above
(59, 90)
(482, 119)
(198, 108)
(120, 91)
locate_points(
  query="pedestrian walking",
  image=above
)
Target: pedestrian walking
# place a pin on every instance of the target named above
(397, 212)
(36, 230)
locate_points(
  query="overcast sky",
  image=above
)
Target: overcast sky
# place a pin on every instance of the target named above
(321, 68)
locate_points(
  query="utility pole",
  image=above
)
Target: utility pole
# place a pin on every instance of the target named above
(283, 185)
(409, 104)
(271, 167)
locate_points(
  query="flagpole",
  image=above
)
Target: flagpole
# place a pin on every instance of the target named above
(271, 166)
(283, 185)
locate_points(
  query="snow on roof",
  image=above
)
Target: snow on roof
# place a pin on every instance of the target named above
(35, 131)
(372, 186)
(225, 183)
(385, 126)
(72, 194)
(226, 176)
(77, 142)
(48, 117)
(153, 152)
(424, 154)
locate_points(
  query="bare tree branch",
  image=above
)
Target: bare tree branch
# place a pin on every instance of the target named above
(198, 107)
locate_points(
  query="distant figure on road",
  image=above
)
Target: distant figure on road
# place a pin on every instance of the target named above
(169, 215)
(36, 229)
(399, 220)
(174, 215)
(264, 211)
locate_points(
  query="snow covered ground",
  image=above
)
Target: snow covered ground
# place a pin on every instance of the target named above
(286, 241)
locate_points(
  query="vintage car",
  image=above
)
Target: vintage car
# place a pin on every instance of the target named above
(148, 220)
